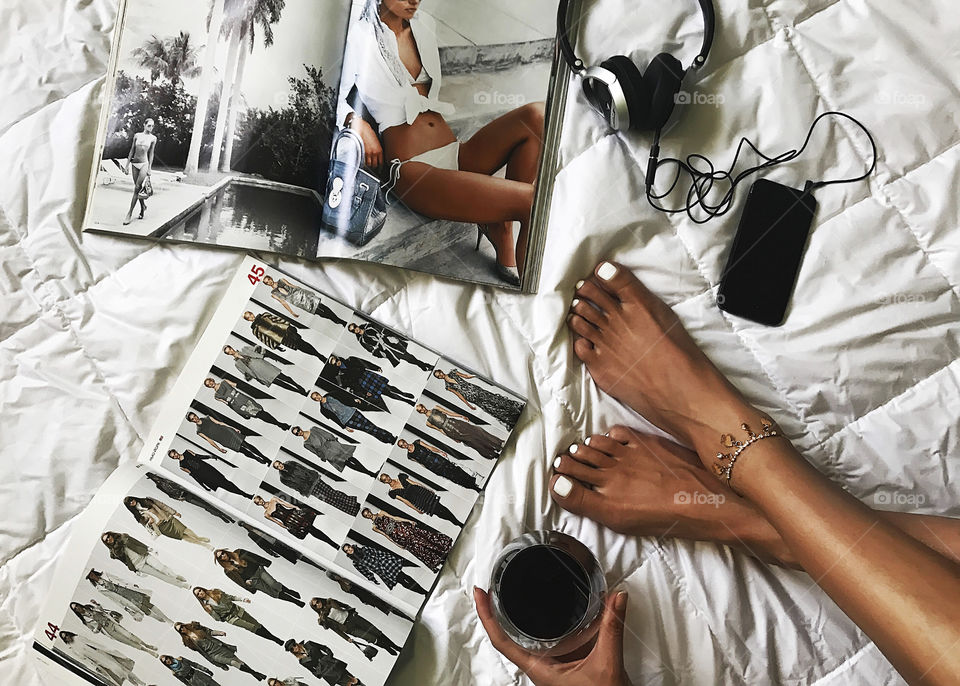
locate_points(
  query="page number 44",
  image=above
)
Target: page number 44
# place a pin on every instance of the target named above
(256, 273)
(51, 630)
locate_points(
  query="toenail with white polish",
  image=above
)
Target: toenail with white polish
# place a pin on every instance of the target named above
(579, 284)
(576, 301)
(587, 442)
(563, 486)
(606, 271)
(573, 448)
(556, 463)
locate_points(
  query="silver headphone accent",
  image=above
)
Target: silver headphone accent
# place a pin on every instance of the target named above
(618, 116)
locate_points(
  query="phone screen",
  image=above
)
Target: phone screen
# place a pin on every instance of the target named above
(765, 258)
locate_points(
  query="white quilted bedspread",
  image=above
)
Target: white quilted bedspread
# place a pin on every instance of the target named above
(864, 374)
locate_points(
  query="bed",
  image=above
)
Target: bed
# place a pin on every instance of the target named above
(864, 375)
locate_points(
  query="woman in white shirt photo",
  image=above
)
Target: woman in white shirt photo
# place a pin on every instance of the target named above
(393, 61)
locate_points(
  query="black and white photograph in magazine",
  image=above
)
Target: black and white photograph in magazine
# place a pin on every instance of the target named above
(220, 122)
(151, 607)
(447, 97)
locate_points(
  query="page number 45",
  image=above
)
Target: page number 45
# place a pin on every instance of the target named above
(256, 273)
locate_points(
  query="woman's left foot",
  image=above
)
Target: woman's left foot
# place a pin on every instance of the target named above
(644, 485)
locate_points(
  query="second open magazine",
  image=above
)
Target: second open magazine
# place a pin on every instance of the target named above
(219, 120)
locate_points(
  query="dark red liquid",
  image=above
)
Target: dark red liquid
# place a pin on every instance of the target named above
(544, 592)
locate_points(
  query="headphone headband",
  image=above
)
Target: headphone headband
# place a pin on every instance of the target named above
(576, 64)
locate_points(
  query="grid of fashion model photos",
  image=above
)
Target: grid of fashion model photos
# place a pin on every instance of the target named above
(311, 466)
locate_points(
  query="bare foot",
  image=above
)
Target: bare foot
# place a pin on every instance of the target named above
(643, 485)
(637, 350)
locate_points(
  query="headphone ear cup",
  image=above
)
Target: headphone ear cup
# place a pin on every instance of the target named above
(662, 81)
(631, 83)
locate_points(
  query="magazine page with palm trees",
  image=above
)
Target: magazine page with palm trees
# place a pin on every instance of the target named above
(217, 122)
(413, 133)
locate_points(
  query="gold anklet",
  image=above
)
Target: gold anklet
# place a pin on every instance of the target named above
(723, 467)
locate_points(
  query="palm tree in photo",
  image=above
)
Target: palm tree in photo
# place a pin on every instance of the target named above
(207, 77)
(231, 30)
(171, 58)
(181, 58)
(245, 16)
(153, 56)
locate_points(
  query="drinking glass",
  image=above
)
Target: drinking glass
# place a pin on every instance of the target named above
(568, 556)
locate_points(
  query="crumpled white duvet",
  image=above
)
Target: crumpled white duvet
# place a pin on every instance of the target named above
(864, 374)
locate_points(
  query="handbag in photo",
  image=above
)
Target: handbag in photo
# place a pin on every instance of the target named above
(146, 190)
(355, 206)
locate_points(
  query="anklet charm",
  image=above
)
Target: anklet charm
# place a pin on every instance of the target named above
(723, 467)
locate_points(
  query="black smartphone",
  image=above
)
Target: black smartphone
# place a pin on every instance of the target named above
(765, 257)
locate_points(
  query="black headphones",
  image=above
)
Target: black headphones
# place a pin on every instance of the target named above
(623, 95)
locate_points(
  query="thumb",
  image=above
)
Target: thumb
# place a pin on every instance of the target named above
(610, 641)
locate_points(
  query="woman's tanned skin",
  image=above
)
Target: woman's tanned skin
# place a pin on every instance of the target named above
(896, 575)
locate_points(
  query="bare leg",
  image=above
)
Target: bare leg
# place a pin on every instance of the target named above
(137, 181)
(513, 140)
(467, 197)
(191, 536)
(904, 594)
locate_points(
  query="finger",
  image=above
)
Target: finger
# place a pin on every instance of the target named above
(603, 444)
(564, 464)
(573, 496)
(610, 642)
(581, 452)
(528, 663)
(582, 327)
(589, 290)
(588, 312)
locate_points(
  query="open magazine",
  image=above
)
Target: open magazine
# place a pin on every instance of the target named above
(232, 122)
(291, 508)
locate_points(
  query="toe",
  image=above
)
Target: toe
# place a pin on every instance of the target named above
(583, 328)
(604, 444)
(620, 282)
(584, 473)
(581, 452)
(584, 309)
(623, 435)
(573, 496)
(592, 292)
(584, 350)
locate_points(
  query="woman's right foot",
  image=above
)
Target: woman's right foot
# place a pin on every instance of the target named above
(637, 350)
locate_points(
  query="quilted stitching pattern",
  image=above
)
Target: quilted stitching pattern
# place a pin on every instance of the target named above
(864, 374)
